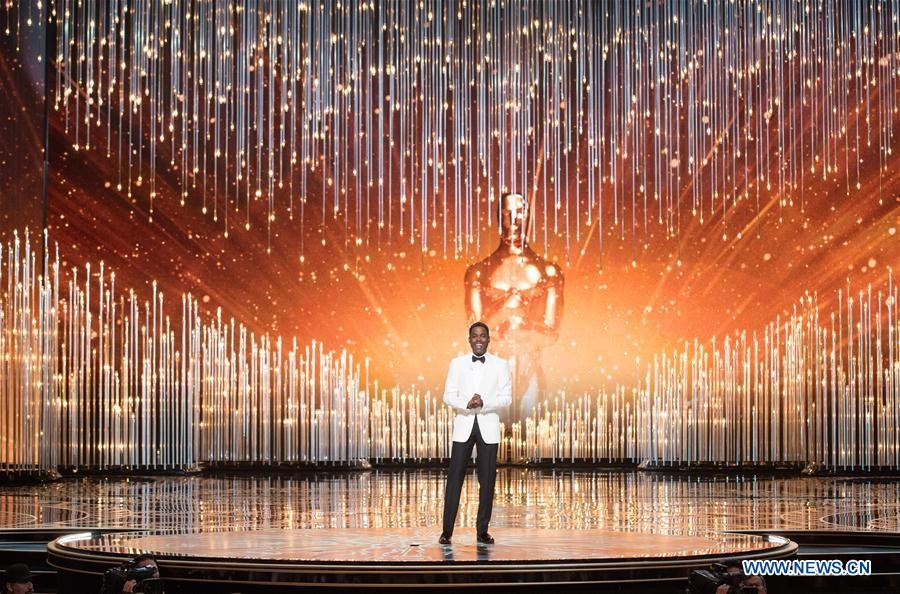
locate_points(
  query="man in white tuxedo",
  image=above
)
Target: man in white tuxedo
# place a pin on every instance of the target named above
(478, 385)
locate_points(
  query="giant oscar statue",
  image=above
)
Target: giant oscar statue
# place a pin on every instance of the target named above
(519, 295)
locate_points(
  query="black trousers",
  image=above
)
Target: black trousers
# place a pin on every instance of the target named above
(487, 473)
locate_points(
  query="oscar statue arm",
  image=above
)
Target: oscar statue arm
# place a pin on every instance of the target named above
(503, 396)
(553, 308)
(481, 307)
(547, 326)
(452, 397)
(541, 329)
(474, 304)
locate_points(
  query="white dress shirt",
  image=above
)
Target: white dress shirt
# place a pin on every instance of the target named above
(492, 381)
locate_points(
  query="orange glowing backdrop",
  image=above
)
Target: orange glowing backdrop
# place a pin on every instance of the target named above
(330, 172)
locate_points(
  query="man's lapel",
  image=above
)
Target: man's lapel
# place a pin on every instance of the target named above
(469, 376)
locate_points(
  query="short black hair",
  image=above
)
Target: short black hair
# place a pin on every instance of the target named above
(480, 325)
(144, 557)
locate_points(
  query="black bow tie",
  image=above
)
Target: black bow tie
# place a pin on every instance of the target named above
(474, 358)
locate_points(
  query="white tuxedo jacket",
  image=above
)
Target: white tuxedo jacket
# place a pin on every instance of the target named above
(492, 381)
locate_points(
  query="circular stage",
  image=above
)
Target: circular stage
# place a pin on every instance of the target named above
(277, 560)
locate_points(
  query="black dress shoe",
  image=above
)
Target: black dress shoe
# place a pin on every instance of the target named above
(485, 538)
(444, 539)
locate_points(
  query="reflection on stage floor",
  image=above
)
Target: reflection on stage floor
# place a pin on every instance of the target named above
(629, 501)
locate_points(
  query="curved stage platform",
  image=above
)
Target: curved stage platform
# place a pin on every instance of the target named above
(275, 560)
(342, 530)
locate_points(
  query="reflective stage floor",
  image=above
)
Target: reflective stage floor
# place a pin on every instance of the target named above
(411, 545)
(630, 501)
(381, 527)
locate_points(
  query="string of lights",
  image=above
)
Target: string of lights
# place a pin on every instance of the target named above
(92, 377)
(407, 120)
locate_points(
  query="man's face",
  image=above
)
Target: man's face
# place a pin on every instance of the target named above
(20, 588)
(479, 340)
(754, 581)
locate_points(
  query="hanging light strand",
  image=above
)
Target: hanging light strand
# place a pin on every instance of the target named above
(92, 377)
(645, 114)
